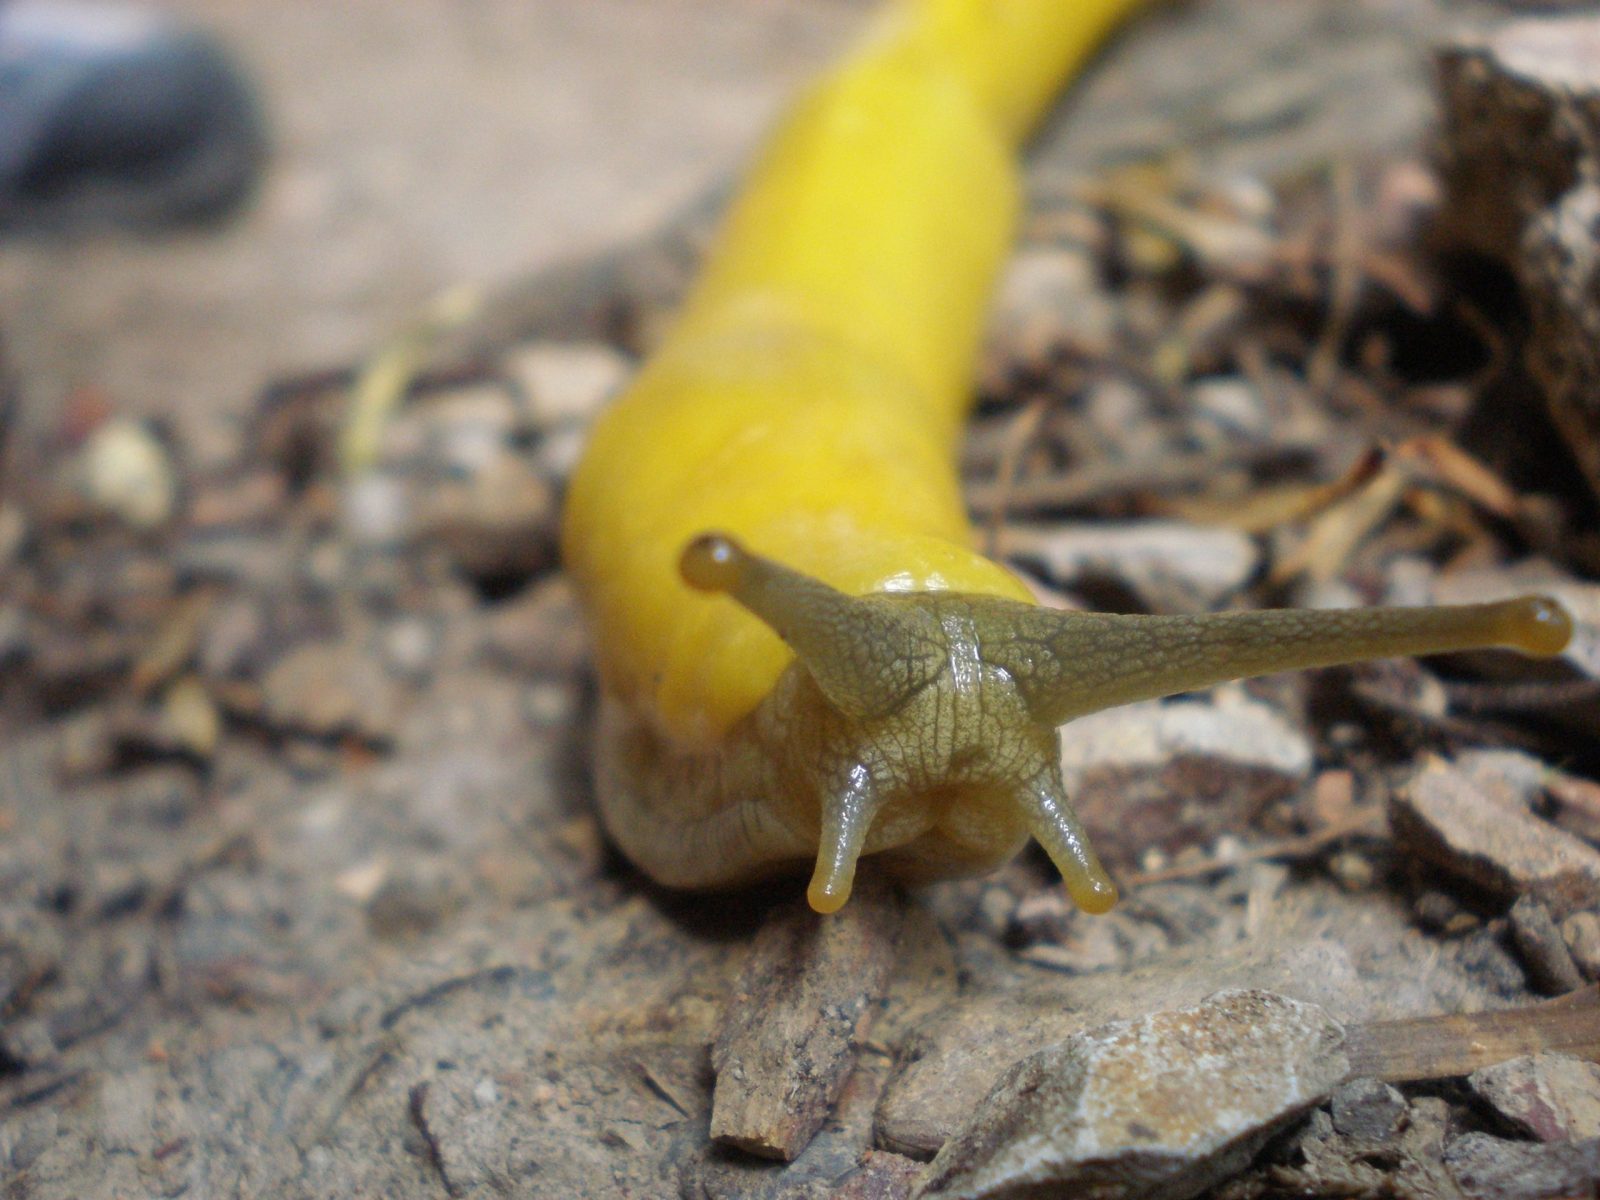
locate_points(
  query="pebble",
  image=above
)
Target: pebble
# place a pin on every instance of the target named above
(126, 472)
(1445, 817)
(1552, 1097)
(568, 382)
(1051, 296)
(494, 522)
(1232, 405)
(1368, 1109)
(330, 689)
(1163, 1105)
(1581, 932)
(1543, 950)
(1169, 565)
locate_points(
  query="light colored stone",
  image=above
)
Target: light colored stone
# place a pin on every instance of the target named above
(1168, 564)
(1553, 1097)
(1161, 1106)
(568, 381)
(1444, 816)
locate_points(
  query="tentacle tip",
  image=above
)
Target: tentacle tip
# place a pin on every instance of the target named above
(713, 562)
(828, 896)
(1543, 625)
(1095, 894)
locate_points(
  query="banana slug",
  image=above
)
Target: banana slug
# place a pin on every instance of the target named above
(868, 684)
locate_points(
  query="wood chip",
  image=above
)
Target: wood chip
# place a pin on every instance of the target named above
(804, 1001)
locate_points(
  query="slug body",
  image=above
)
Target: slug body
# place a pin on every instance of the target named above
(868, 684)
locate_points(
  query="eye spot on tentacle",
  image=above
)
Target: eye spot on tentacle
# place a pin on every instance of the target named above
(1545, 626)
(713, 562)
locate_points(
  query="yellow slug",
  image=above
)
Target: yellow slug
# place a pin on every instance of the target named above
(886, 690)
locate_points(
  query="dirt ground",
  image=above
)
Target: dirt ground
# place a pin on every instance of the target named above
(301, 892)
(417, 145)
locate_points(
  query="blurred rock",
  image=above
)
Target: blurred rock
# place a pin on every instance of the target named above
(1551, 1097)
(539, 631)
(1171, 774)
(329, 689)
(1445, 817)
(1233, 407)
(1489, 1168)
(1581, 932)
(1050, 301)
(1166, 1105)
(414, 898)
(1543, 950)
(1519, 154)
(126, 471)
(1577, 804)
(568, 382)
(1170, 566)
(1367, 1109)
(187, 719)
(495, 522)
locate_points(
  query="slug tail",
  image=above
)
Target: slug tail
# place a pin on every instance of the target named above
(1012, 54)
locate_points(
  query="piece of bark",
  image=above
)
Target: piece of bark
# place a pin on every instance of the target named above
(1445, 1047)
(1444, 816)
(837, 1162)
(804, 1000)
(1521, 126)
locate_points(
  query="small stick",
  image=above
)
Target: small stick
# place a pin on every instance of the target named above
(1453, 1045)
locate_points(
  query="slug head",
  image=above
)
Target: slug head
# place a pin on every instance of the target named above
(934, 733)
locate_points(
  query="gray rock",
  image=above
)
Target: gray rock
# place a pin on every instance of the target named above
(1488, 1168)
(955, 1056)
(1581, 932)
(1170, 565)
(1368, 1109)
(1552, 1097)
(332, 689)
(1444, 816)
(1160, 1107)
(1543, 950)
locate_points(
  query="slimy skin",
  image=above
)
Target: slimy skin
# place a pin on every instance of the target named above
(867, 684)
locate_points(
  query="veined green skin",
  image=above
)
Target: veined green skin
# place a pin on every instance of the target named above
(921, 727)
